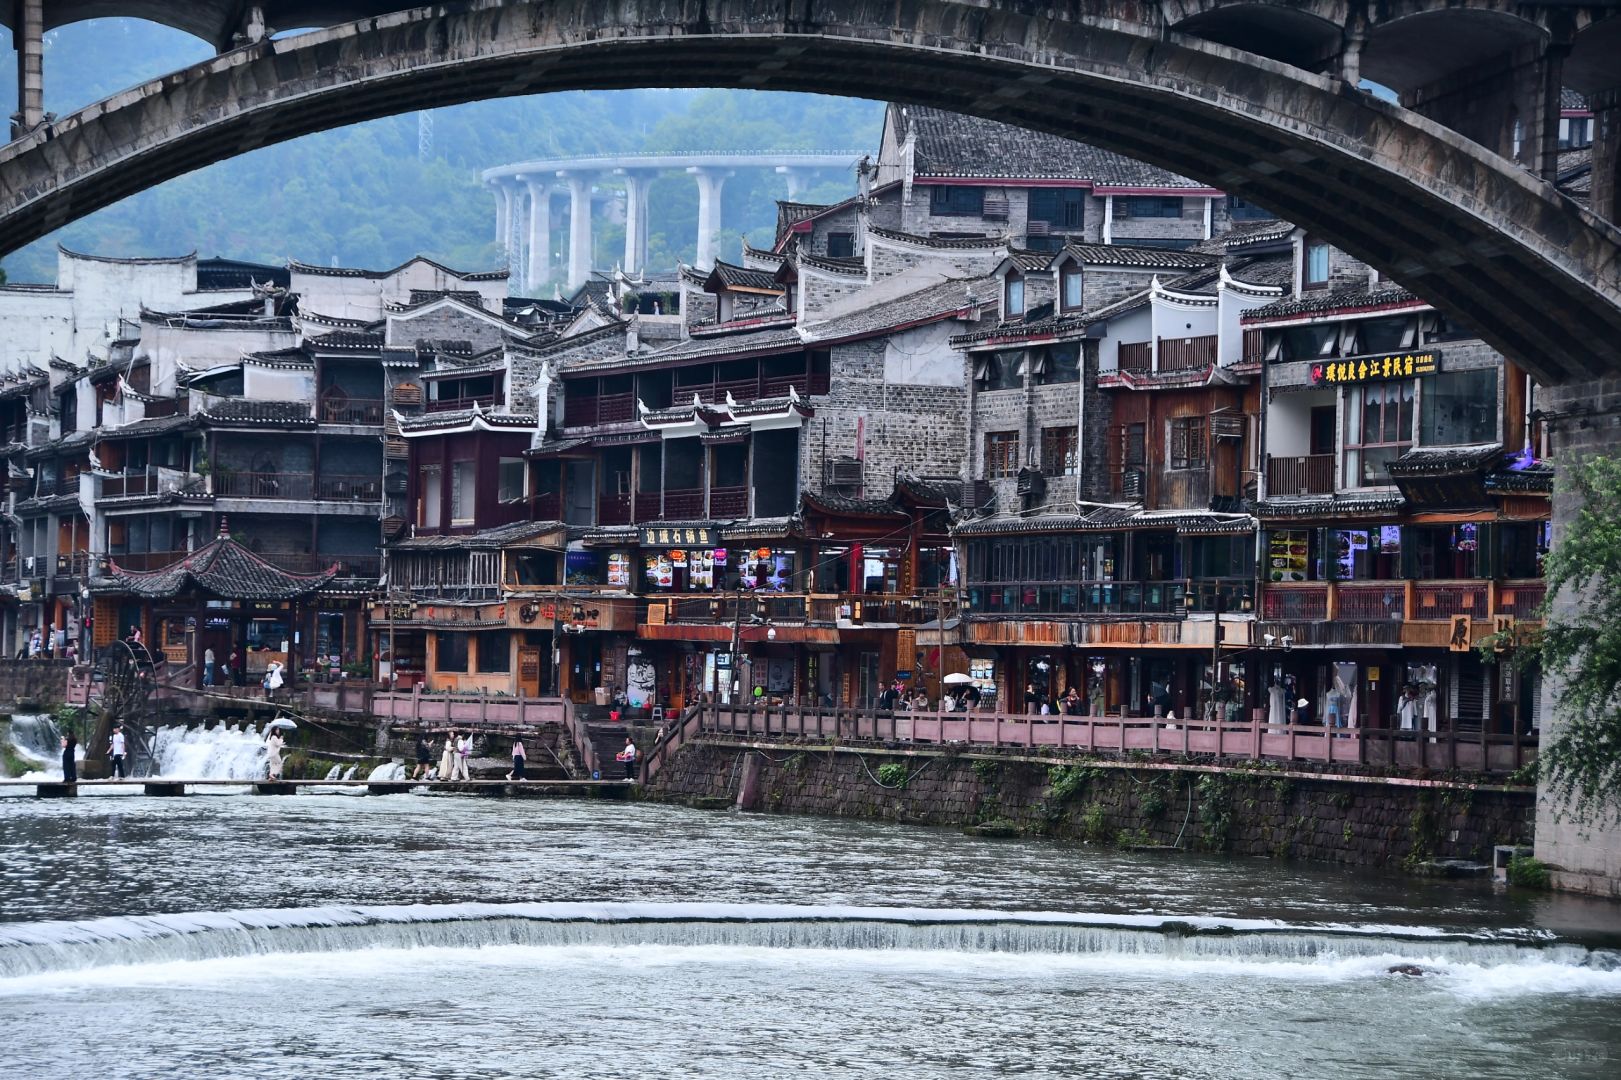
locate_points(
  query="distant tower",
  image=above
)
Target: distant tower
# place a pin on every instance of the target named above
(424, 135)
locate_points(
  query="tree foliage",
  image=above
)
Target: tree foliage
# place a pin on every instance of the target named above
(1580, 644)
(363, 196)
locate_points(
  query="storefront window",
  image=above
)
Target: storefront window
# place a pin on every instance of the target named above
(584, 567)
(450, 651)
(1523, 545)
(1459, 407)
(687, 569)
(1288, 555)
(494, 651)
(267, 634)
(766, 568)
(329, 636)
(1366, 554)
(1446, 551)
(1380, 431)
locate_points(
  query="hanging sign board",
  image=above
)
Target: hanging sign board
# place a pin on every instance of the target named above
(1376, 368)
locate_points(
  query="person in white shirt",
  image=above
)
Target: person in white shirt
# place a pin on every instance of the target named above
(116, 748)
(208, 667)
(458, 762)
(628, 757)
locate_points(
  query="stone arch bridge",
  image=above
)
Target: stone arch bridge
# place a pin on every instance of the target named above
(1257, 98)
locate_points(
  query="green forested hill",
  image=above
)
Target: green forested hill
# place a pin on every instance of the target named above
(362, 196)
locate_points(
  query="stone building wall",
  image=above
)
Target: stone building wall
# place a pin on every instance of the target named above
(33, 682)
(910, 428)
(1259, 812)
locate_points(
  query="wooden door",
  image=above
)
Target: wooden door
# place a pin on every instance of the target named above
(529, 670)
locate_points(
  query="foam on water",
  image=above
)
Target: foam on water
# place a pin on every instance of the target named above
(218, 753)
(1015, 944)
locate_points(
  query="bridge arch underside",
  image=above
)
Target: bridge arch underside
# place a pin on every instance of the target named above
(1538, 277)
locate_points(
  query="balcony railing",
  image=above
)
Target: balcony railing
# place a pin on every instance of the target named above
(1444, 601)
(72, 564)
(792, 608)
(297, 486)
(1137, 357)
(648, 505)
(728, 502)
(546, 507)
(1521, 599)
(1302, 602)
(1371, 601)
(146, 560)
(455, 404)
(1236, 594)
(1187, 354)
(1254, 346)
(1396, 602)
(613, 510)
(1077, 598)
(683, 505)
(1309, 475)
(338, 409)
(307, 562)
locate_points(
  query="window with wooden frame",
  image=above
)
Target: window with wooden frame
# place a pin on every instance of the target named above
(1314, 264)
(1059, 451)
(1013, 296)
(1071, 291)
(1001, 454)
(1379, 429)
(1189, 445)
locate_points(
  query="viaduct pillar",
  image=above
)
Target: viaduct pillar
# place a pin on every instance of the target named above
(710, 183)
(540, 234)
(499, 190)
(579, 227)
(796, 180)
(636, 187)
(30, 41)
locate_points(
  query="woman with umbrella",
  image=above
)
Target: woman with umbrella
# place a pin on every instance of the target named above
(273, 746)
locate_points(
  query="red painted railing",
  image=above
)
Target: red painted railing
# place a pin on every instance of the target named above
(1470, 751)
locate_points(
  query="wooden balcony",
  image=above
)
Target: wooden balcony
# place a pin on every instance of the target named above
(297, 486)
(1309, 475)
(456, 404)
(342, 409)
(614, 510)
(683, 505)
(1186, 354)
(1394, 612)
(728, 502)
(1137, 357)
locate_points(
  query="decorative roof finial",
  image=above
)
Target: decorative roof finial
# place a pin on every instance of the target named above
(225, 531)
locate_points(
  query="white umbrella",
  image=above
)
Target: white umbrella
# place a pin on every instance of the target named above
(283, 722)
(956, 678)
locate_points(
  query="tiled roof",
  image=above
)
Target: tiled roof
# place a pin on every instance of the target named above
(1275, 270)
(253, 411)
(294, 265)
(1571, 99)
(952, 145)
(1109, 517)
(488, 540)
(224, 569)
(928, 304)
(944, 243)
(1146, 258)
(157, 425)
(731, 276)
(849, 504)
(1335, 300)
(1331, 506)
(850, 266)
(1537, 479)
(1445, 460)
(1247, 234)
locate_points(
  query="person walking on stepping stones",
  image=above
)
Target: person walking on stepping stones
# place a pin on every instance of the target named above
(447, 757)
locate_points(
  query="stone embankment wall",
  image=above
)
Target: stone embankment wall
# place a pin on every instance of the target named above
(35, 682)
(1354, 821)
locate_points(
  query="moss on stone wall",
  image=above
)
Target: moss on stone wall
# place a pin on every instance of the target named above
(1247, 811)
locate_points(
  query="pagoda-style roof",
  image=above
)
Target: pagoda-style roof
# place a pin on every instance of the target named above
(223, 568)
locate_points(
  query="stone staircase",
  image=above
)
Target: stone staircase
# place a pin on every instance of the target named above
(609, 739)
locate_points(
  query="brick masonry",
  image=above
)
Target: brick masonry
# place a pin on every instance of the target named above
(1243, 812)
(33, 682)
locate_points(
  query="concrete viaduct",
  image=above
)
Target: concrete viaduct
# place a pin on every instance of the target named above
(523, 202)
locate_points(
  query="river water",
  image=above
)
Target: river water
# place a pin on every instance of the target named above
(447, 936)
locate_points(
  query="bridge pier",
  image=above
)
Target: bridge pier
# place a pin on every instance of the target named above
(579, 227)
(273, 787)
(502, 208)
(1605, 199)
(540, 234)
(1582, 856)
(710, 183)
(57, 791)
(1509, 105)
(29, 36)
(163, 789)
(637, 184)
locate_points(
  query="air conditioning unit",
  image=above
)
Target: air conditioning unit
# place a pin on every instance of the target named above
(847, 473)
